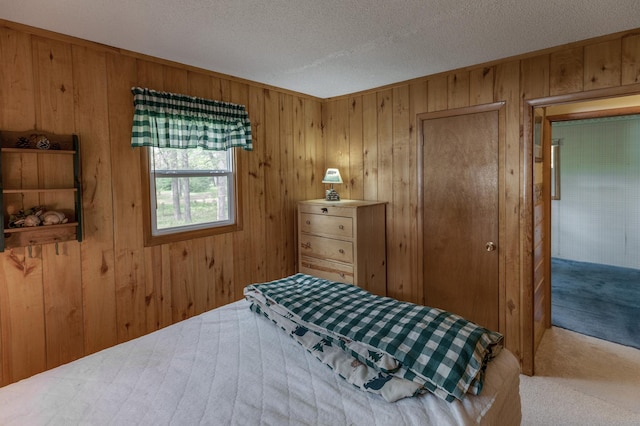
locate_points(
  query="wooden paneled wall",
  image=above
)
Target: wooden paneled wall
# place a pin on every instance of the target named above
(58, 305)
(372, 138)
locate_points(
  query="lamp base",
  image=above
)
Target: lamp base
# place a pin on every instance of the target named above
(332, 195)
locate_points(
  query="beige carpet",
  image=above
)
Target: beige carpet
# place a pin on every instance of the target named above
(581, 380)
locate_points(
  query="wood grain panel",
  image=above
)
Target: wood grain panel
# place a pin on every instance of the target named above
(370, 145)
(508, 89)
(182, 256)
(204, 284)
(602, 65)
(356, 149)
(16, 81)
(157, 269)
(417, 105)
(566, 71)
(255, 200)
(98, 280)
(22, 335)
(481, 86)
(535, 77)
(399, 226)
(158, 288)
(244, 256)
(438, 93)
(630, 59)
(223, 270)
(273, 185)
(22, 314)
(54, 87)
(302, 172)
(235, 92)
(336, 124)
(458, 89)
(288, 205)
(385, 173)
(385, 148)
(315, 149)
(63, 302)
(61, 266)
(127, 207)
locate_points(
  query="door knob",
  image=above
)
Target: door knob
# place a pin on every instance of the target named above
(490, 246)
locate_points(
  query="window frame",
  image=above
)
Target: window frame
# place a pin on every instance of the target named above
(182, 235)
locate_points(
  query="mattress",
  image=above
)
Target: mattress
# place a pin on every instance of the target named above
(230, 366)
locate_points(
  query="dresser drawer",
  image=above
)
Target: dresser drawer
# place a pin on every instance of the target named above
(326, 248)
(331, 226)
(327, 209)
(326, 269)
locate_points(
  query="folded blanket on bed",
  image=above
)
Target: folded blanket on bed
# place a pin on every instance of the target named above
(379, 344)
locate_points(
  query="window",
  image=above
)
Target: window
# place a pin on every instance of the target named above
(192, 193)
(189, 170)
(190, 189)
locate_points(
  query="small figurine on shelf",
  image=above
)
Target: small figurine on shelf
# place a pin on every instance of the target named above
(23, 143)
(32, 220)
(53, 217)
(40, 141)
(29, 217)
(36, 216)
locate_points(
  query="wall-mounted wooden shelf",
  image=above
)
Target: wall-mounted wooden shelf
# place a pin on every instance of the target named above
(29, 236)
(36, 190)
(40, 169)
(38, 151)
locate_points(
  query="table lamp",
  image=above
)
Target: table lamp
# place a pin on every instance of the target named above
(332, 176)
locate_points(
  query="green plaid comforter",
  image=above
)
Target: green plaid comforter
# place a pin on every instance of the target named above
(396, 344)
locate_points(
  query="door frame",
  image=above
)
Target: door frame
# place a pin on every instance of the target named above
(495, 106)
(528, 188)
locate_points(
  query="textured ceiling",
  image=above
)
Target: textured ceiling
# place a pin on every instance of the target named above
(327, 48)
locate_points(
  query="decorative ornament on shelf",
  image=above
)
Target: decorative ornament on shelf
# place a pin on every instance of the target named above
(40, 141)
(29, 217)
(332, 176)
(32, 220)
(53, 217)
(36, 216)
(23, 143)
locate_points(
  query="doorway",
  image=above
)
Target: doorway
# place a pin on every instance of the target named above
(595, 226)
(544, 182)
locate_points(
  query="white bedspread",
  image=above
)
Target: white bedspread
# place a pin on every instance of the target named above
(231, 366)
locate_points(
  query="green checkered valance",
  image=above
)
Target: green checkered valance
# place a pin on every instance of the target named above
(168, 120)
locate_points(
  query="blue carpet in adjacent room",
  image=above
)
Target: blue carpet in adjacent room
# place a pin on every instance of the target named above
(597, 300)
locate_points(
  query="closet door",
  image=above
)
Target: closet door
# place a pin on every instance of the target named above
(461, 214)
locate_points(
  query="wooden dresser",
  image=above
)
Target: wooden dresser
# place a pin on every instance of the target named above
(344, 241)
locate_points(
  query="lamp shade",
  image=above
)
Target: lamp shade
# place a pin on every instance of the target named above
(332, 176)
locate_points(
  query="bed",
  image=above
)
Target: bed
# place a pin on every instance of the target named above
(232, 366)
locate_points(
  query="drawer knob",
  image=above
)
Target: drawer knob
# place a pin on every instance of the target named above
(308, 222)
(341, 226)
(325, 210)
(341, 251)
